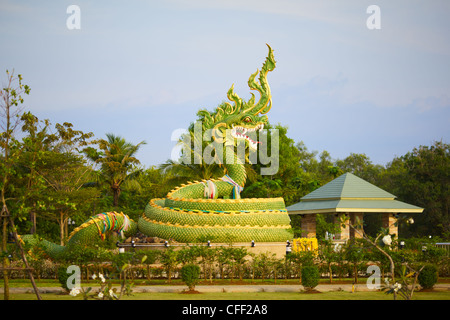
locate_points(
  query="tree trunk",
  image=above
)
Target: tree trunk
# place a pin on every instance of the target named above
(66, 227)
(33, 228)
(330, 270)
(61, 227)
(210, 274)
(116, 194)
(5, 260)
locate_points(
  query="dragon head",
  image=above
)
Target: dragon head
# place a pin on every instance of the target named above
(242, 119)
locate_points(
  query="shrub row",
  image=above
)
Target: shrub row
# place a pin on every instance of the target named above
(350, 260)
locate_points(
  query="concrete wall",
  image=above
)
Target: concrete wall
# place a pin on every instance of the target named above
(278, 248)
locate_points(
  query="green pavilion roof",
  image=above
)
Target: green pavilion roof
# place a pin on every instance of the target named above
(349, 193)
(348, 186)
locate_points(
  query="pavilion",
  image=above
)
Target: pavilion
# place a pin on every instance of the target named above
(352, 196)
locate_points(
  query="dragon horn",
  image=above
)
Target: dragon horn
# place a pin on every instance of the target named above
(265, 102)
(232, 96)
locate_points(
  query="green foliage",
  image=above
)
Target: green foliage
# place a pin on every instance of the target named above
(310, 277)
(421, 177)
(323, 225)
(304, 258)
(63, 276)
(169, 259)
(190, 274)
(118, 162)
(428, 276)
(433, 254)
(361, 166)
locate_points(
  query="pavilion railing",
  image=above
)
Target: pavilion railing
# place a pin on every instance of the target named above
(445, 246)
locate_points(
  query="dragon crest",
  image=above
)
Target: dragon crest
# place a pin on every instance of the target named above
(242, 118)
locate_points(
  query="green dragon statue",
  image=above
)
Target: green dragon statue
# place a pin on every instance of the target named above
(211, 209)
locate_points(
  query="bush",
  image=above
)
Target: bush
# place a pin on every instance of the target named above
(310, 277)
(63, 276)
(190, 274)
(428, 276)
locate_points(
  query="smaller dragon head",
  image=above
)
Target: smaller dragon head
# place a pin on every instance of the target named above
(243, 119)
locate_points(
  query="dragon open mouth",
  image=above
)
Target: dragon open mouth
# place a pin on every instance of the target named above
(239, 132)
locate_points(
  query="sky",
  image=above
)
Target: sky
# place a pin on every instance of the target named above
(142, 69)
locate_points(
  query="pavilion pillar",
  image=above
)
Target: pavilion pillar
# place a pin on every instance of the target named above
(344, 229)
(309, 226)
(387, 221)
(356, 219)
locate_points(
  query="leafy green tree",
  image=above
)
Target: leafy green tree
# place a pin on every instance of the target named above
(54, 171)
(153, 183)
(169, 259)
(329, 256)
(239, 257)
(223, 260)
(11, 105)
(65, 175)
(310, 277)
(207, 257)
(361, 166)
(355, 255)
(190, 275)
(262, 263)
(180, 172)
(37, 140)
(422, 177)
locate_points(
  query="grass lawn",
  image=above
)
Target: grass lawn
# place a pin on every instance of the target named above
(336, 295)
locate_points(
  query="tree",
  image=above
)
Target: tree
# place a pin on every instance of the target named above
(287, 181)
(151, 183)
(55, 171)
(65, 175)
(117, 160)
(383, 243)
(310, 277)
(37, 140)
(169, 259)
(11, 104)
(422, 177)
(360, 165)
(182, 172)
(328, 255)
(190, 275)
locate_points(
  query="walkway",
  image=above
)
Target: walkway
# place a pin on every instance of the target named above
(230, 288)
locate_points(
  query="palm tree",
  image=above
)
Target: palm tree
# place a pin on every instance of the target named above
(181, 172)
(118, 162)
